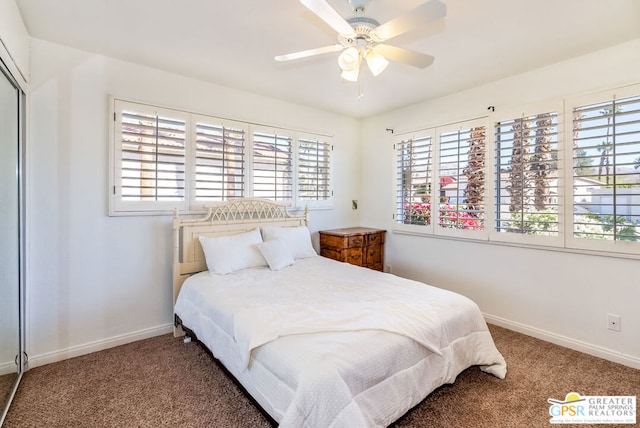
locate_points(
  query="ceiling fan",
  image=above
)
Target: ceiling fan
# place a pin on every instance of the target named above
(362, 38)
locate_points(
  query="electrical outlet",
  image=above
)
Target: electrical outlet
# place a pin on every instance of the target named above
(387, 268)
(613, 322)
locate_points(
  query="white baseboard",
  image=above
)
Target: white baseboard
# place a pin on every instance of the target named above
(98, 345)
(567, 342)
(7, 368)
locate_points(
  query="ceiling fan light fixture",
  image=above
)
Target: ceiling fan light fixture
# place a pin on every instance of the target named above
(349, 59)
(352, 75)
(376, 62)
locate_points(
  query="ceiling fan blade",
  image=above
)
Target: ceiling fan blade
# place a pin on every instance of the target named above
(405, 56)
(328, 15)
(309, 52)
(426, 12)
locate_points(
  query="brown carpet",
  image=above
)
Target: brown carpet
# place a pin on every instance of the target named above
(163, 382)
(6, 385)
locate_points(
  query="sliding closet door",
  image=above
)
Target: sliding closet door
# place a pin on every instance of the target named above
(10, 240)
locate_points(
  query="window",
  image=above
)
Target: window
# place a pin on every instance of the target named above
(562, 176)
(606, 170)
(272, 165)
(413, 180)
(163, 159)
(219, 160)
(527, 180)
(151, 160)
(461, 181)
(313, 168)
(450, 199)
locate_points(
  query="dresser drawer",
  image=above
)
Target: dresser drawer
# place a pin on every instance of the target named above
(373, 255)
(332, 254)
(353, 256)
(333, 242)
(375, 238)
(357, 241)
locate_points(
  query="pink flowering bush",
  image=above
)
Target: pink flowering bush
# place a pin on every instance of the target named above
(450, 216)
(417, 213)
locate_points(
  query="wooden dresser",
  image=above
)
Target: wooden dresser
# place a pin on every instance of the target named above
(359, 246)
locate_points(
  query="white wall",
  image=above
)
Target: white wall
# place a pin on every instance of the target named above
(569, 300)
(96, 281)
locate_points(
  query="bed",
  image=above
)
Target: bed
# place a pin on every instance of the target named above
(316, 342)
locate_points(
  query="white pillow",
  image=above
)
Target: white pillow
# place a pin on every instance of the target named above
(227, 254)
(296, 239)
(276, 253)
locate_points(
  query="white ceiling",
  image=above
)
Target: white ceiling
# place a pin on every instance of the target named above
(233, 42)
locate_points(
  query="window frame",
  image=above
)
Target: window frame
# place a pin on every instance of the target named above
(279, 133)
(194, 203)
(116, 204)
(514, 113)
(455, 232)
(426, 229)
(189, 204)
(591, 245)
(564, 241)
(433, 229)
(328, 141)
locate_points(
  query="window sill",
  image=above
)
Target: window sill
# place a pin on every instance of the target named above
(602, 253)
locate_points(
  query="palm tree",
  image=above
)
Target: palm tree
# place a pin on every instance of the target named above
(474, 192)
(541, 161)
(583, 163)
(518, 175)
(607, 145)
(604, 149)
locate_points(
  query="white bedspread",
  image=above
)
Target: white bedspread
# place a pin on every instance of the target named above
(313, 307)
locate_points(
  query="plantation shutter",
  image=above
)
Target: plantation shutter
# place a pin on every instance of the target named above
(219, 160)
(606, 170)
(413, 180)
(313, 169)
(150, 157)
(527, 175)
(462, 179)
(272, 165)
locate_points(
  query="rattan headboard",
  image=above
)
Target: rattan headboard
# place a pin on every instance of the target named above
(225, 218)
